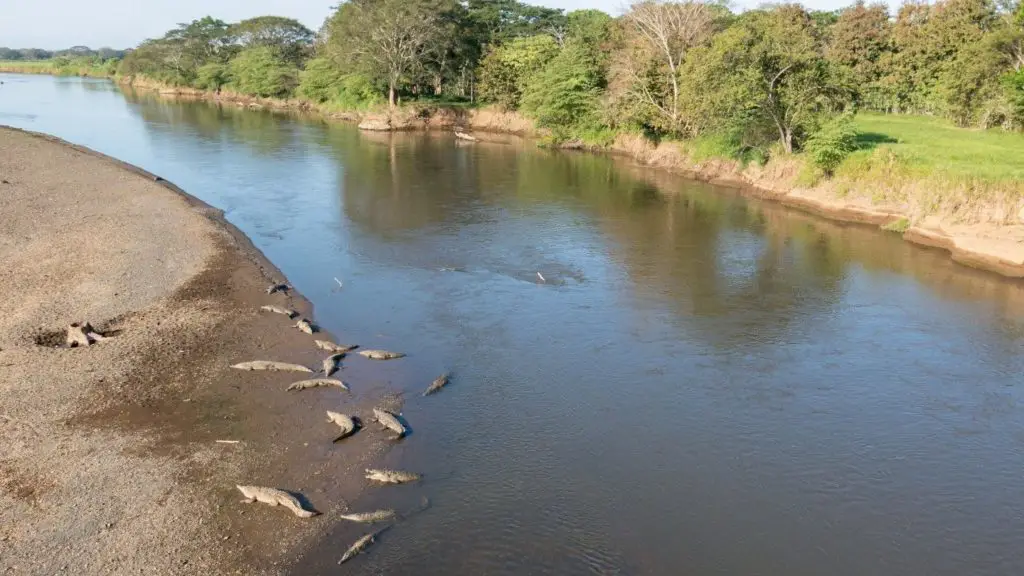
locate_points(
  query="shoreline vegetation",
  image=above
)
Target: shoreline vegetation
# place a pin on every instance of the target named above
(909, 121)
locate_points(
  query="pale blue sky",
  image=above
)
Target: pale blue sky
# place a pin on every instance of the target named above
(55, 24)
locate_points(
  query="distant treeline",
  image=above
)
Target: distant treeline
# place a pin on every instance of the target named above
(778, 77)
(14, 54)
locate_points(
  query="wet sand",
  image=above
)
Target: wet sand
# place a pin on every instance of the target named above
(109, 460)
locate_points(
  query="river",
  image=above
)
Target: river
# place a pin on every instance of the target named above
(700, 384)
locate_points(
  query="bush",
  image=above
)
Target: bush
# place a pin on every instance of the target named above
(564, 94)
(357, 92)
(506, 69)
(260, 72)
(832, 143)
(1013, 86)
(211, 76)
(320, 81)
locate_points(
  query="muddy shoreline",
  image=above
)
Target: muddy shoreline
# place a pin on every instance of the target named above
(111, 460)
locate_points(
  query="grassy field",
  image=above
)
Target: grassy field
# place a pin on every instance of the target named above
(29, 66)
(928, 167)
(935, 146)
(75, 67)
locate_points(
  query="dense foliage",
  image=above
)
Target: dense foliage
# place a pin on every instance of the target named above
(20, 54)
(777, 79)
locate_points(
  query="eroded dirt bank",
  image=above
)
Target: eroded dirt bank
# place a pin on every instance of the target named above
(109, 454)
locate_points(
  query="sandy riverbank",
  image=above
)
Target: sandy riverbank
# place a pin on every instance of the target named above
(108, 456)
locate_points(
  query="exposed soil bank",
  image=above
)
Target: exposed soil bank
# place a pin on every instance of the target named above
(991, 246)
(109, 460)
(994, 246)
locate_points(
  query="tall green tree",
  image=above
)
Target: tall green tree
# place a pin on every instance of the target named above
(862, 40)
(387, 40)
(289, 39)
(767, 74)
(260, 71)
(497, 21)
(565, 94)
(655, 38)
(508, 67)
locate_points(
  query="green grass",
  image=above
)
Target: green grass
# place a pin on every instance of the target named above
(61, 67)
(901, 226)
(933, 146)
(31, 66)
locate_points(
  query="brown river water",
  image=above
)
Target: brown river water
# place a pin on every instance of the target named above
(702, 384)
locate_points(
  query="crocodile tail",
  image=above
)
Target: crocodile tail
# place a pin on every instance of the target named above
(302, 513)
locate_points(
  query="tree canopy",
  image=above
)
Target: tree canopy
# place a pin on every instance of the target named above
(764, 79)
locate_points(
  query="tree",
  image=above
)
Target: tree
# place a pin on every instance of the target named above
(287, 37)
(506, 69)
(106, 53)
(497, 21)
(658, 36)
(591, 28)
(188, 46)
(35, 54)
(979, 86)
(212, 76)
(929, 40)
(861, 40)
(259, 71)
(767, 73)
(565, 93)
(320, 80)
(384, 39)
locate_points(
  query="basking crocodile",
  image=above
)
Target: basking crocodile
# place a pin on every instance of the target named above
(269, 365)
(391, 476)
(345, 422)
(279, 310)
(318, 382)
(332, 347)
(380, 354)
(331, 363)
(275, 288)
(390, 422)
(306, 326)
(274, 497)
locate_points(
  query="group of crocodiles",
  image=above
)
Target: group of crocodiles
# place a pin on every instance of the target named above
(348, 425)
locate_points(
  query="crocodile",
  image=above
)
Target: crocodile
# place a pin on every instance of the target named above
(318, 382)
(380, 354)
(369, 517)
(332, 347)
(279, 310)
(359, 546)
(82, 335)
(345, 422)
(391, 476)
(268, 365)
(306, 326)
(438, 383)
(390, 422)
(275, 288)
(331, 363)
(275, 497)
